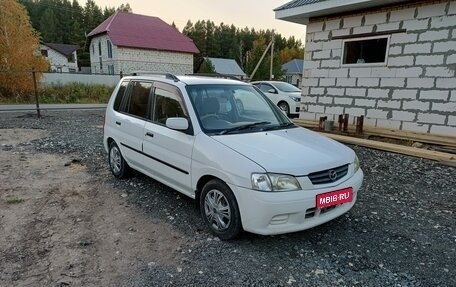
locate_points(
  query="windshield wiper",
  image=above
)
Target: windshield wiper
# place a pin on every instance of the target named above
(280, 126)
(243, 127)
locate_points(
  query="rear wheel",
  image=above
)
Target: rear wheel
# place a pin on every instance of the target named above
(219, 210)
(117, 163)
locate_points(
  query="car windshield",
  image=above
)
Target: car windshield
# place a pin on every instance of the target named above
(286, 87)
(229, 109)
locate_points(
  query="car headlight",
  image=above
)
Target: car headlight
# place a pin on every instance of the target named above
(296, 99)
(274, 182)
(356, 163)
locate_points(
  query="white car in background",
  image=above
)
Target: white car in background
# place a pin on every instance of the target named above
(223, 143)
(286, 96)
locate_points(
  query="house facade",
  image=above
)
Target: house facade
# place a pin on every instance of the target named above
(128, 42)
(393, 62)
(62, 57)
(293, 71)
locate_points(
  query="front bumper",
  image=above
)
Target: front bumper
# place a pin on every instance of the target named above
(268, 213)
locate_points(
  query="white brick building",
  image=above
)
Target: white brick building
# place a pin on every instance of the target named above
(392, 61)
(127, 42)
(62, 57)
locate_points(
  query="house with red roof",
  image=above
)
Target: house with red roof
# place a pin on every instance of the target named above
(62, 57)
(127, 42)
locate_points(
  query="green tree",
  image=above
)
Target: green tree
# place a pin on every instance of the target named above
(207, 67)
(48, 25)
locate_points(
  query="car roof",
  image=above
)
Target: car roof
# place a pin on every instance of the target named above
(269, 82)
(186, 79)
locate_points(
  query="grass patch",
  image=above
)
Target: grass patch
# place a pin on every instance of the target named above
(16, 200)
(74, 93)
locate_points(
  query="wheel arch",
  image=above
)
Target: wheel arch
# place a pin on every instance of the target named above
(201, 183)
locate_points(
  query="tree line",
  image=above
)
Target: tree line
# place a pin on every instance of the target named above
(67, 22)
(245, 45)
(62, 21)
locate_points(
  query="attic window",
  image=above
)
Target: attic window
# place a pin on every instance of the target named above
(44, 53)
(365, 51)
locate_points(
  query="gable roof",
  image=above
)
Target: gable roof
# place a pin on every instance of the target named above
(64, 49)
(144, 32)
(226, 66)
(295, 66)
(299, 11)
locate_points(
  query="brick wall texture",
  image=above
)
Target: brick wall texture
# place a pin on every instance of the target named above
(127, 60)
(415, 90)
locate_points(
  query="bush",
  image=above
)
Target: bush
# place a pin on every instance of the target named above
(74, 93)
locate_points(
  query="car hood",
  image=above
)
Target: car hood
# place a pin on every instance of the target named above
(295, 151)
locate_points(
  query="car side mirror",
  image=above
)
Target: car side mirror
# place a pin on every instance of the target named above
(179, 124)
(272, 91)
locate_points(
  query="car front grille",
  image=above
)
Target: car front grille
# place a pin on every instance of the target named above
(329, 175)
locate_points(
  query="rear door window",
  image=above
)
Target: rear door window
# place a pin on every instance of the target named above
(138, 104)
(120, 95)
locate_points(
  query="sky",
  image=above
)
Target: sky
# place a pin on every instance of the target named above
(242, 13)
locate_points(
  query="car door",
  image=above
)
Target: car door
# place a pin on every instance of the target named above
(131, 120)
(169, 152)
(266, 89)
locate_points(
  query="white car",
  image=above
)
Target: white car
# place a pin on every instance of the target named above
(286, 96)
(226, 145)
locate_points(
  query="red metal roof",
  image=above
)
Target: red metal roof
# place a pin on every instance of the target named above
(144, 32)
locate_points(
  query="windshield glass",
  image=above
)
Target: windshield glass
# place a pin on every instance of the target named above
(227, 109)
(286, 87)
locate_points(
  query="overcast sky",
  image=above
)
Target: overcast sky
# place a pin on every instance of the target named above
(256, 14)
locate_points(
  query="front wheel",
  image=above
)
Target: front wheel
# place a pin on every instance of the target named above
(284, 107)
(219, 210)
(119, 167)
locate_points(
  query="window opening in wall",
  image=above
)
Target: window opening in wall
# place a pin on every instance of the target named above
(44, 53)
(99, 48)
(71, 58)
(101, 65)
(111, 69)
(362, 51)
(108, 43)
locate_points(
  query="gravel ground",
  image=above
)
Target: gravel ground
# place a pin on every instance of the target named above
(401, 232)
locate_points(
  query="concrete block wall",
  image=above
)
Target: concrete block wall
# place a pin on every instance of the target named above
(414, 91)
(127, 60)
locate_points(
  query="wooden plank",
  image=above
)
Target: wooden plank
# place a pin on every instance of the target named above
(442, 157)
(389, 133)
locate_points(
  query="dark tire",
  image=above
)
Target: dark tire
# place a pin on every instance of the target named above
(119, 167)
(220, 210)
(284, 107)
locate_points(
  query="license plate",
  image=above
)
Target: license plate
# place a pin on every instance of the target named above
(335, 197)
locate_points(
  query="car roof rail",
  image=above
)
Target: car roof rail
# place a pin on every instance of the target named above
(168, 76)
(215, 75)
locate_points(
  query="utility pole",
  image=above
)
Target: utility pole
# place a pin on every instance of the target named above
(261, 60)
(271, 76)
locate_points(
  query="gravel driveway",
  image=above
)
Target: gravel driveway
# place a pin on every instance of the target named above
(401, 232)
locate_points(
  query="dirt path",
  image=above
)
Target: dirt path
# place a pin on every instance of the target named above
(60, 225)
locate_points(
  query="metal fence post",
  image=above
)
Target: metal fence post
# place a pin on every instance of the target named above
(36, 93)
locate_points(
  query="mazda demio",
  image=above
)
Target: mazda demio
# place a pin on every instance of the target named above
(225, 144)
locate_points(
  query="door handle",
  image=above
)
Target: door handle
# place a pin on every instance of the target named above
(118, 123)
(150, 134)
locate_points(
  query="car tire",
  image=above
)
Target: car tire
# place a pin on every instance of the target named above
(284, 107)
(119, 167)
(220, 210)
